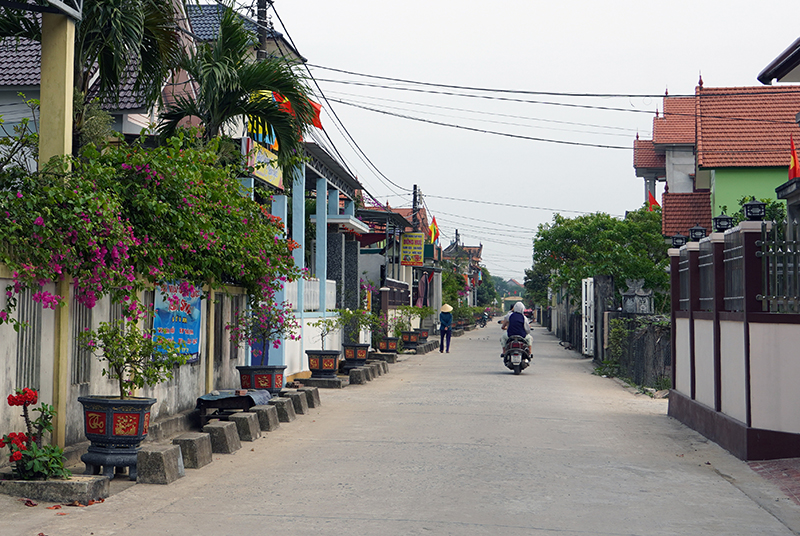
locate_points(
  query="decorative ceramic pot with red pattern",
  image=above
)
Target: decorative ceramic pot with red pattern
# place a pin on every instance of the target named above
(267, 377)
(323, 363)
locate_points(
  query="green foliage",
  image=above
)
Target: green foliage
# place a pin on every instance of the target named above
(617, 338)
(355, 320)
(537, 281)
(453, 285)
(92, 124)
(486, 292)
(132, 358)
(230, 85)
(42, 463)
(598, 244)
(775, 211)
(19, 146)
(326, 326)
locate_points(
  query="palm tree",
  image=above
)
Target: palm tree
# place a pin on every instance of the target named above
(230, 85)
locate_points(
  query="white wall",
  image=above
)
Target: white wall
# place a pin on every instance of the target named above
(732, 370)
(682, 365)
(774, 376)
(704, 361)
(680, 165)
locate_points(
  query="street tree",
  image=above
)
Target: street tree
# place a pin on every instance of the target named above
(231, 85)
(571, 249)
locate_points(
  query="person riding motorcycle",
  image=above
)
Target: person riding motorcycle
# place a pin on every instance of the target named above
(515, 323)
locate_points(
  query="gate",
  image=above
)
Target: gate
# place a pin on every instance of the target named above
(587, 302)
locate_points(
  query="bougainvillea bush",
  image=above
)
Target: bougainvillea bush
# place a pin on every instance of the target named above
(32, 458)
(128, 217)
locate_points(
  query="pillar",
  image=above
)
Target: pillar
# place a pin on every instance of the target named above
(298, 235)
(322, 235)
(277, 356)
(61, 379)
(58, 64)
(352, 288)
(335, 244)
(333, 202)
(349, 207)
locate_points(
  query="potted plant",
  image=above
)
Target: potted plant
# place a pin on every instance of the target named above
(324, 363)
(262, 328)
(353, 322)
(422, 313)
(409, 336)
(33, 459)
(389, 341)
(116, 425)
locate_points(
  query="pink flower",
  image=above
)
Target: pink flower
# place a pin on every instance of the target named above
(38, 221)
(19, 195)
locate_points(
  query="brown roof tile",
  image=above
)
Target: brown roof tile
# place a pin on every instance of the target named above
(676, 126)
(746, 126)
(645, 156)
(680, 212)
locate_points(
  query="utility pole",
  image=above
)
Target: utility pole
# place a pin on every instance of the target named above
(415, 211)
(261, 15)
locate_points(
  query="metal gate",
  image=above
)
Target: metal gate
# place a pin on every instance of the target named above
(588, 316)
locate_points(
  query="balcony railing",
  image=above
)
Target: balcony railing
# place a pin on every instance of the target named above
(311, 294)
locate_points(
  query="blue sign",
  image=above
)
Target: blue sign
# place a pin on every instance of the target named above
(177, 316)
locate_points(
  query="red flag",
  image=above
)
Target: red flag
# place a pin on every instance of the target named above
(794, 166)
(651, 202)
(286, 106)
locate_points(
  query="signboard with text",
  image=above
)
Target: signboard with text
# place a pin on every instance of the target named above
(412, 247)
(178, 316)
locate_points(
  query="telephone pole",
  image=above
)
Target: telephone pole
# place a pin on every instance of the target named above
(415, 211)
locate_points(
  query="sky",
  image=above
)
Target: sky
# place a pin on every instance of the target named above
(636, 49)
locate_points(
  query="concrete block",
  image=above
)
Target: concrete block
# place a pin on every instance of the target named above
(285, 408)
(267, 417)
(247, 425)
(368, 374)
(299, 400)
(159, 464)
(383, 367)
(358, 376)
(327, 383)
(376, 369)
(195, 449)
(81, 488)
(312, 396)
(382, 356)
(224, 436)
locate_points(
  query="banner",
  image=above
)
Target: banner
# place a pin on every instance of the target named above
(177, 316)
(412, 247)
(262, 160)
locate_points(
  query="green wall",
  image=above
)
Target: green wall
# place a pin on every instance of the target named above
(732, 183)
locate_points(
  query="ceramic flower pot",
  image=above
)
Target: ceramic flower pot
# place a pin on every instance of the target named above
(410, 339)
(115, 428)
(267, 377)
(355, 355)
(323, 363)
(388, 344)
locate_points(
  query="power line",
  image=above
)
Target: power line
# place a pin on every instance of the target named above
(483, 131)
(484, 202)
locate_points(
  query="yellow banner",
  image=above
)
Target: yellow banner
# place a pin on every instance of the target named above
(412, 247)
(263, 162)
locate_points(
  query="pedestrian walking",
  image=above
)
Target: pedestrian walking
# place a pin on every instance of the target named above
(445, 326)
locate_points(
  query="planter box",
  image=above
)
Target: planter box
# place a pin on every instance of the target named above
(388, 344)
(355, 355)
(410, 339)
(266, 377)
(81, 488)
(422, 335)
(323, 363)
(115, 427)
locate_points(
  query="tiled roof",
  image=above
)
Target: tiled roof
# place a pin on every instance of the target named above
(746, 126)
(205, 20)
(19, 62)
(680, 212)
(407, 213)
(676, 126)
(645, 156)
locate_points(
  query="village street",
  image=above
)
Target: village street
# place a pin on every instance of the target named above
(455, 444)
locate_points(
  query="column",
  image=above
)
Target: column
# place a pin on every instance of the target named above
(333, 202)
(322, 234)
(349, 207)
(279, 209)
(55, 119)
(298, 235)
(352, 288)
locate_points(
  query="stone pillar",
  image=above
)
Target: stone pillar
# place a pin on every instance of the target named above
(352, 289)
(321, 254)
(333, 202)
(298, 235)
(336, 265)
(349, 207)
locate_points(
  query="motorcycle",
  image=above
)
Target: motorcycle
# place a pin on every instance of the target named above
(481, 322)
(516, 354)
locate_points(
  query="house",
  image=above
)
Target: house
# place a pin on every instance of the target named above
(716, 147)
(467, 260)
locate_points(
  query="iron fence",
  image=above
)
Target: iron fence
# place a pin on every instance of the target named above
(683, 271)
(780, 258)
(734, 272)
(706, 267)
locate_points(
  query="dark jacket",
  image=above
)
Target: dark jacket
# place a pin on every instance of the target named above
(446, 319)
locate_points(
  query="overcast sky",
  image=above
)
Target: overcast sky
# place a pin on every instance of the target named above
(566, 46)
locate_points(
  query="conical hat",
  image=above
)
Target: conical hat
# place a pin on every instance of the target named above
(446, 308)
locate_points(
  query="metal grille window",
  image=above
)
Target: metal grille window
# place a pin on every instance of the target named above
(29, 341)
(236, 309)
(115, 312)
(683, 271)
(81, 356)
(734, 272)
(706, 265)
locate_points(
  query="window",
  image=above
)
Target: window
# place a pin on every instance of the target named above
(29, 341)
(81, 356)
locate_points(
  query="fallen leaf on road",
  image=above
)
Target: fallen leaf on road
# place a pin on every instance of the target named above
(29, 502)
(62, 514)
(54, 507)
(75, 503)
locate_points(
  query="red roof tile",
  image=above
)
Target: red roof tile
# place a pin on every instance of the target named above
(676, 126)
(645, 156)
(746, 126)
(680, 212)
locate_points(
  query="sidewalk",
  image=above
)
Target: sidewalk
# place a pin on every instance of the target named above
(455, 444)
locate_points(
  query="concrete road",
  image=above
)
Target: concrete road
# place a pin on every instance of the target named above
(455, 444)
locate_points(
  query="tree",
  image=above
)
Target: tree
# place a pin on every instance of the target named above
(597, 244)
(230, 84)
(537, 281)
(486, 294)
(453, 285)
